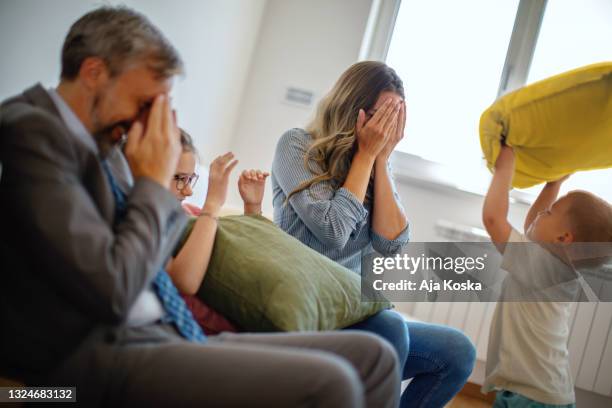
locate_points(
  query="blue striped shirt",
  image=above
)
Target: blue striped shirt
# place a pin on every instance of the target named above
(331, 221)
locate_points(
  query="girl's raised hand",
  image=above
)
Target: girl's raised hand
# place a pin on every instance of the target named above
(251, 186)
(218, 179)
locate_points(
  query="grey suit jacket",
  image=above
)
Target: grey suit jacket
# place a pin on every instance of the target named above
(67, 277)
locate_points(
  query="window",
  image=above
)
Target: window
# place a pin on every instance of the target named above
(450, 59)
(572, 35)
(456, 57)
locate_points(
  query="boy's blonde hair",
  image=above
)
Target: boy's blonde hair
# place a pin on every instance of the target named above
(590, 217)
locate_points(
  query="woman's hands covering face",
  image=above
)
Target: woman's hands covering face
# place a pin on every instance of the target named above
(381, 133)
(396, 135)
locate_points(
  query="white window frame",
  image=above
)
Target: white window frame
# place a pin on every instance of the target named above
(521, 48)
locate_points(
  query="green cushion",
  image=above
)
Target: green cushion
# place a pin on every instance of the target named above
(265, 280)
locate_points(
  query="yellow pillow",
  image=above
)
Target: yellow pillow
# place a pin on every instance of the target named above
(556, 126)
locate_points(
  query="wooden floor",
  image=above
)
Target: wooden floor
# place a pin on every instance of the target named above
(465, 401)
(471, 397)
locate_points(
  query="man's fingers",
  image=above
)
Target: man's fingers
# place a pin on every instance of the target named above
(174, 123)
(165, 116)
(134, 138)
(155, 117)
(168, 123)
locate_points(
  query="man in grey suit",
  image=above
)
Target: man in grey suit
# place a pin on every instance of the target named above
(83, 301)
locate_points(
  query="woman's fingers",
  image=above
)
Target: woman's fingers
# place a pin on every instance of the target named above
(390, 121)
(391, 132)
(391, 114)
(361, 118)
(401, 121)
(382, 112)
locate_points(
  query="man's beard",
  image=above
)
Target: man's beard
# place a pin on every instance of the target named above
(108, 135)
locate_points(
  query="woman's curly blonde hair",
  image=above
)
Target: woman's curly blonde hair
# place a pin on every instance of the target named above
(333, 127)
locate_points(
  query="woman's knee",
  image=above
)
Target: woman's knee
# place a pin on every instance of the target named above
(462, 353)
(390, 326)
(450, 347)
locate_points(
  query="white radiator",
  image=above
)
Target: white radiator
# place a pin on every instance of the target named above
(590, 341)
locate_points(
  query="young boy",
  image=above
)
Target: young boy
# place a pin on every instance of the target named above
(527, 358)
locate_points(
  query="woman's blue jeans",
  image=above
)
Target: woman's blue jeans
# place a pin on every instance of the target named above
(439, 359)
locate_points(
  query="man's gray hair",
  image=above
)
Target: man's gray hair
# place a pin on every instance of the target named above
(119, 36)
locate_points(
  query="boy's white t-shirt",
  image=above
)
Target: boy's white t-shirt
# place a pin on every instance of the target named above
(527, 352)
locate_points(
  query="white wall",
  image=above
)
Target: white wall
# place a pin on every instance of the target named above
(306, 44)
(215, 39)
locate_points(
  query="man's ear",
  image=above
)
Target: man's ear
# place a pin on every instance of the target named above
(93, 72)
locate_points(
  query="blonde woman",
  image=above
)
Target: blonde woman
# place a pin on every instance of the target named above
(333, 191)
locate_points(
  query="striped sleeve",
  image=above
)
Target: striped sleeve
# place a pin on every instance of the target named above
(330, 215)
(389, 247)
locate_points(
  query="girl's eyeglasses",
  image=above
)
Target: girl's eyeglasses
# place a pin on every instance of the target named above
(183, 180)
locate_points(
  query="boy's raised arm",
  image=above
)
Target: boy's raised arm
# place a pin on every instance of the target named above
(495, 209)
(545, 199)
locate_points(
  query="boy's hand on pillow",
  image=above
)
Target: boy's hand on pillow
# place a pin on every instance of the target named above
(560, 181)
(495, 208)
(505, 160)
(251, 186)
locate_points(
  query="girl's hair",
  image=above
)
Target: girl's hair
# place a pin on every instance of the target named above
(187, 142)
(333, 127)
